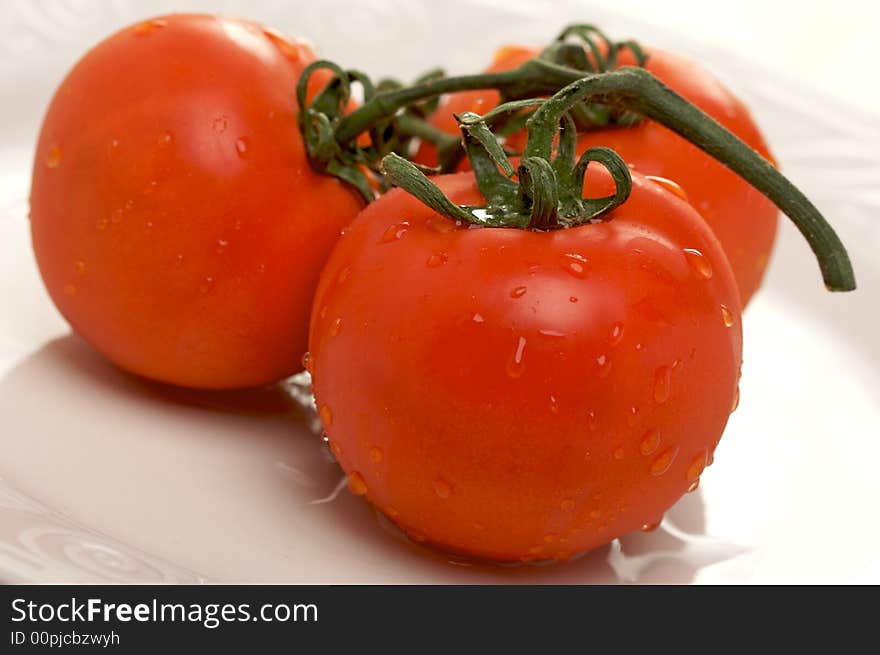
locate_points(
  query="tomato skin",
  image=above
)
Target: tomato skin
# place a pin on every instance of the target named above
(491, 392)
(175, 219)
(744, 221)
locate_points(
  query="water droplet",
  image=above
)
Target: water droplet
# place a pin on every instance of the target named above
(650, 527)
(241, 146)
(261, 268)
(335, 327)
(149, 225)
(698, 262)
(619, 452)
(695, 470)
(603, 366)
(221, 246)
(575, 264)
(478, 318)
(323, 312)
(326, 416)
(343, 275)
(572, 299)
(550, 537)
(440, 224)
(166, 139)
(518, 292)
(515, 365)
(632, 416)
(650, 442)
(662, 382)
(595, 514)
(735, 400)
(726, 316)
(376, 455)
(148, 26)
(101, 223)
(70, 289)
(669, 185)
(663, 461)
(442, 488)
(394, 232)
(552, 333)
(219, 124)
(437, 259)
(53, 158)
(80, 267)
(554, 405)
(207, 284)
(616, 334)
(392, 512)
(592, 421)
(116, 216)
(356, 483)
(566, 505)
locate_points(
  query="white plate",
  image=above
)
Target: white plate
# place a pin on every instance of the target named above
(106, 477)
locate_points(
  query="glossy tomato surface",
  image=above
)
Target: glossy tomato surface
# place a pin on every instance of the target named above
(744, 221)
(519, 395)
(175, 219)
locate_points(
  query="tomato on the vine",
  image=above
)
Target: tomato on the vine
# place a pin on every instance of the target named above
(521, 395)
(743, 220)
(176, 221)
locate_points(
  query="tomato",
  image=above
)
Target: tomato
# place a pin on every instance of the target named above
(524, 395)
(743, 220)
(175, 219)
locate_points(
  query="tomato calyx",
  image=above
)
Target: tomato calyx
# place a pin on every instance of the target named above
(548, 194)
(594, 52)
(639, 91)
(604, 53)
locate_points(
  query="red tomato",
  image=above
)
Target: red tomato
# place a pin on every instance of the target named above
(175, 219)
(743, 220)
(520, 395)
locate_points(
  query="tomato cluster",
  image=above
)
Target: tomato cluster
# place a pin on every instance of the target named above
(519, 361)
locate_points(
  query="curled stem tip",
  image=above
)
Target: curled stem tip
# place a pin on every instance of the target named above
(641, 92)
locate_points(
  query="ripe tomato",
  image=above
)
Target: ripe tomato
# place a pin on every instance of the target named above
(176, 222)
(743, 220)
(542, 392)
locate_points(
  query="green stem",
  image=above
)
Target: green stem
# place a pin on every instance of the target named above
(535, 77)
(641, 92)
